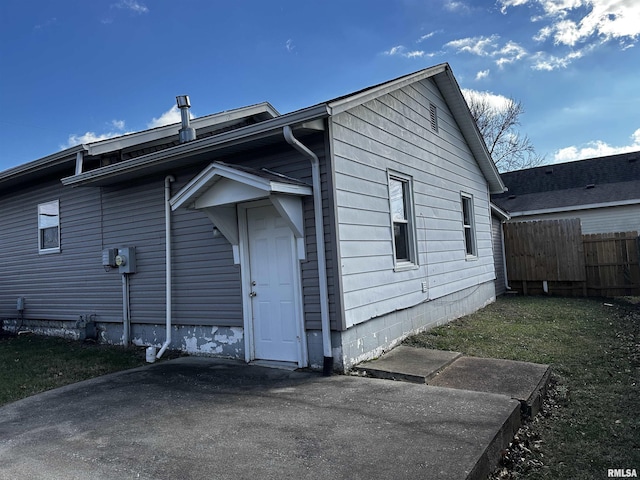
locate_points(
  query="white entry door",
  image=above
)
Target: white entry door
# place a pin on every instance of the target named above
(274, 281)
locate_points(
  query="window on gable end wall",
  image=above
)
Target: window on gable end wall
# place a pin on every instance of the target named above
(49, 227)
(469, 225)
(405, 248)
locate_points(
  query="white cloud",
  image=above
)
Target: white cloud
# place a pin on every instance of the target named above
(575, 22)
(397, 50)
(289, 45)
(401, 51)
(495, 102)
(132, 5)
(597, 148)
(428, 36)
(167, 118)
(88, 137)
(117, 128)
(456, 6)
(547, 62)
(481, 46)
(482, 74)
(117, 124)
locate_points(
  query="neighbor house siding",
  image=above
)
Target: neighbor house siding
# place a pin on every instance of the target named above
(624, 218)
(393, 132)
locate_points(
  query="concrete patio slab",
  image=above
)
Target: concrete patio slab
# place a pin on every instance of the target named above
(408, 364)
(195, 418)
(523, 381)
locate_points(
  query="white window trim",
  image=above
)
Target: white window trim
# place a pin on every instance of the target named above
(412, 263)
(471, 227)
(45, 251)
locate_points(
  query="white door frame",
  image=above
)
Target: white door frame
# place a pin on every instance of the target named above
(245, 277)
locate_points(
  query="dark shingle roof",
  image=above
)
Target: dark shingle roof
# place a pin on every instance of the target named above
(614, 178)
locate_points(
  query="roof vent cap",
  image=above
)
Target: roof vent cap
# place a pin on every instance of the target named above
(187, 132)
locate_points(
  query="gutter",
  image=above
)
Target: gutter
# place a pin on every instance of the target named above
(257, 131)
(320, 247)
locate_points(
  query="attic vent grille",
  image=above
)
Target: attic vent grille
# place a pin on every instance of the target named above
(433, 113)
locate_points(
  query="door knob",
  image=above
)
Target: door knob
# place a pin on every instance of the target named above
(252, 294)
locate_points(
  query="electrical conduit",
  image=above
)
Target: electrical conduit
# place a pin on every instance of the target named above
(322, 263)
(167, 240)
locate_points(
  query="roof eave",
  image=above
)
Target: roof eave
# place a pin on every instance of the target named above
(58, 158)
(245, 134)
(450, 89)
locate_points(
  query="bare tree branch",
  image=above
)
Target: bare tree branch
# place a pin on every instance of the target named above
(498, 125)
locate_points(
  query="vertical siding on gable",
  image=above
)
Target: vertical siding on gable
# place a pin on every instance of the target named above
(393, 132)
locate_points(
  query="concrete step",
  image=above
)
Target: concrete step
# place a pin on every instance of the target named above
(522, 381)
(408, 364)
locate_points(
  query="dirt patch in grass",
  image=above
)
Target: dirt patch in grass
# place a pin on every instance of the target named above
(590, 420)
(31, 364)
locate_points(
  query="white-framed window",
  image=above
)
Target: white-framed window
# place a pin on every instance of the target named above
(405, 249)
(468, 225)
(49, 227)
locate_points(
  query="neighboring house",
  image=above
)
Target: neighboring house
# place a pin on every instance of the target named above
(220, 233)
(604, 193)
(498, 218)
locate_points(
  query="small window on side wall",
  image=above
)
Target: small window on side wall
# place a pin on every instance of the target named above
(49, 227)
(402, 220)
(468, 225)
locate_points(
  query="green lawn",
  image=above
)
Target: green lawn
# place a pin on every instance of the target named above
(590, 421)
(31, 364)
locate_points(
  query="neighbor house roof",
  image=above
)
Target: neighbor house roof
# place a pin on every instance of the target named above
(154, 152)
(596, 182)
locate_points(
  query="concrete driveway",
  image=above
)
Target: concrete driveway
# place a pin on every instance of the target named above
(197, 418)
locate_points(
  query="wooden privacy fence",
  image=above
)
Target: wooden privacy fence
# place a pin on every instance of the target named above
(552, 256)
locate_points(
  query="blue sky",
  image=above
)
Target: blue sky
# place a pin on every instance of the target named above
(74, 71)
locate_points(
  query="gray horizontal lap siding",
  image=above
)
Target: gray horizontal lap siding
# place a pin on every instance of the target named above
(56, 286)
(206, 282)
(286, 160)
(393, 132)
(62, 286)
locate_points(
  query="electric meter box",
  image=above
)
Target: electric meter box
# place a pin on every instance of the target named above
(109, 257)
(126, 259)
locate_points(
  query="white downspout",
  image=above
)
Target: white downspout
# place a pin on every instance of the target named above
(322, 263)
(167, 241)
(126, 317)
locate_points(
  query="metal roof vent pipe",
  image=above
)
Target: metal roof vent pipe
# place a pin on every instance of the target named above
(187, 132)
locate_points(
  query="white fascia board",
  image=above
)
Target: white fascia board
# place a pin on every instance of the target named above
(351, 101)
(291, 189)
(205, 145)
(146, 136)
(500, 213)
(571, 208)
(455, 100)
(202, 182)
